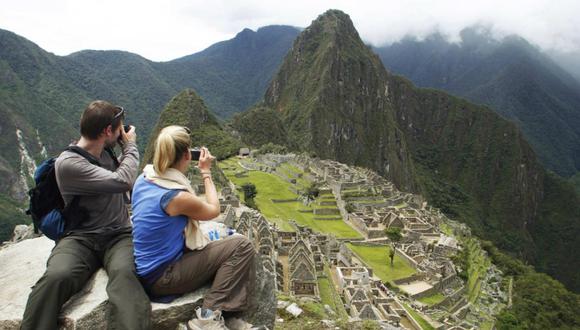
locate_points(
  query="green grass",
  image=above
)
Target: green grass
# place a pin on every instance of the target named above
(377, 257)
(424, 324)
(270, 187)
(477, 266)
(446, 229)
(329, 296)
(369, 201)
(292, 172)
(400, 206)
(432, 300)
(487, 325)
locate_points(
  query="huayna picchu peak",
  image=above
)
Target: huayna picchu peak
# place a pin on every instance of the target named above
(332, 93)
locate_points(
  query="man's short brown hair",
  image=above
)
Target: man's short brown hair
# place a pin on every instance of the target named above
(97, 116)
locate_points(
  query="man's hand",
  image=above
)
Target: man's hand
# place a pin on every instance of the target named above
(130, 136)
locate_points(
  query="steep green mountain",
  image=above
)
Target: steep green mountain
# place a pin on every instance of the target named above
(510, 76)
(336, 100)
(329, 110)
(260, 125)
(188, 109)
(232, 75)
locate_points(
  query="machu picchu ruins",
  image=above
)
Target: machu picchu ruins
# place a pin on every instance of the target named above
(424, 289)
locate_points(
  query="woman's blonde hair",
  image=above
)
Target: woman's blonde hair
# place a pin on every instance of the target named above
(171, 144)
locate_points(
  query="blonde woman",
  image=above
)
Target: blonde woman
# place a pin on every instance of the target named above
(169, 263)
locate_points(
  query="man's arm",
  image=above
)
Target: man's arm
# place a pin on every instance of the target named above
(76, 176)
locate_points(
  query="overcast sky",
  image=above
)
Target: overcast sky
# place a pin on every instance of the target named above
(167, 29)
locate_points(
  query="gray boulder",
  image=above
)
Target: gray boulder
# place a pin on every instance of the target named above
(22, 232)
(262, 309)
(23, 263)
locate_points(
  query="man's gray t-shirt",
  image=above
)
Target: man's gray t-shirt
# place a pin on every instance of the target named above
(101, 189)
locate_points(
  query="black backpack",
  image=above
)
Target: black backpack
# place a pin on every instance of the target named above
(47, 208)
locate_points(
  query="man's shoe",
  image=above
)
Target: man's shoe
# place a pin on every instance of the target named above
(214, 322)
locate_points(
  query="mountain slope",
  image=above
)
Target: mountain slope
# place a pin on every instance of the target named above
(188, 109)
(336, 99)
(330, 110)
(511, 76)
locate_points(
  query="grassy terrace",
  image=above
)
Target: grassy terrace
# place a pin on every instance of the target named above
(270, 187)
(292, 172)
(432, 300)
(424, 324)
(329, 296)
(377, 257)
(477, 267)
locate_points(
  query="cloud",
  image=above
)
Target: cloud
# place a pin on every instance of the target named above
(164, 30)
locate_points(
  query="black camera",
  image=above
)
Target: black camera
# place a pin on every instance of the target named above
(195, 153)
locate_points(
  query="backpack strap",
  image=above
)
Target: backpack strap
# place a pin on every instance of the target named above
(111, 153)
(84, 153)
(91, 158)
(74, 204)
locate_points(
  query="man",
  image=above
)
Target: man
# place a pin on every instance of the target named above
(103, 237)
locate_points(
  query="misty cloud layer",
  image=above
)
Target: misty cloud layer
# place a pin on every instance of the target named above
(170, 29)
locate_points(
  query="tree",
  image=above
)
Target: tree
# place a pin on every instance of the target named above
(312, 192)
(271, 148)
(349, 207)
(394, 234)
(392, 255)
(250, 192)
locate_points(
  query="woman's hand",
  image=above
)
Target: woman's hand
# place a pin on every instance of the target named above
(205, 159)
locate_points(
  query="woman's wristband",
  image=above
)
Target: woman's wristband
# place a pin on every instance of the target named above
(206, 172)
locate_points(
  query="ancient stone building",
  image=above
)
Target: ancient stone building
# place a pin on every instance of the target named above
(303, 280)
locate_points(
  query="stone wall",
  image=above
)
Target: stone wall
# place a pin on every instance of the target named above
(326, 211)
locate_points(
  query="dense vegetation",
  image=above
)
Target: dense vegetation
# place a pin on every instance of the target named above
(11, 214)
(511, 76)
(539, 302)
(575, 180)
(260, 126)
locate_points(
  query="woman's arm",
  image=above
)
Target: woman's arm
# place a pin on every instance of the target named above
(188, 204)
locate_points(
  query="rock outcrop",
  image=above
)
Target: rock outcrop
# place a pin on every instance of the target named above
(24, 262)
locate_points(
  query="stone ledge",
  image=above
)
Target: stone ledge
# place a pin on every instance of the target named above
(23, 263)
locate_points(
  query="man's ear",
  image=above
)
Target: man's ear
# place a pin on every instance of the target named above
(108, 131)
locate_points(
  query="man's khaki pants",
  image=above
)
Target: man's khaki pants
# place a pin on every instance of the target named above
(71, 263)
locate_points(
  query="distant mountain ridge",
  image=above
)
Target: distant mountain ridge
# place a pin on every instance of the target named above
(232, 75)
(511, 76)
